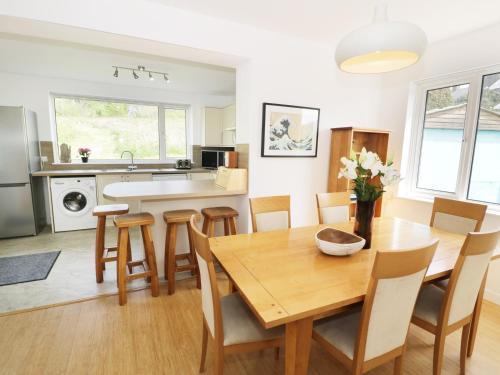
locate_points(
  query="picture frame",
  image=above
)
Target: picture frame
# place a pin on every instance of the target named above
(289, 130)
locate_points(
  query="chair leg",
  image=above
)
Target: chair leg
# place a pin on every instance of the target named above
(463, 347)
(171, 258)
(149, 248)
(219, 359)
(232, 224)
(475, 318)
(99, 248)
(204, 341)
(226, 227)
(165, 259)
(193, 255)
(398, 365)
(122, 264)
(438, 352)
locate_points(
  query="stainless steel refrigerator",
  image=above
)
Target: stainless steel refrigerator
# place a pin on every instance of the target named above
(21, 195)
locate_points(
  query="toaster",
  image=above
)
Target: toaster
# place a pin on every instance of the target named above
(183, 164)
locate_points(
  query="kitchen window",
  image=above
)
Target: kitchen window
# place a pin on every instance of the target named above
(152, 132)
(452, 142)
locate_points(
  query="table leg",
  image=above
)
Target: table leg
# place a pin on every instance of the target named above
(475, 318)
(298, 337)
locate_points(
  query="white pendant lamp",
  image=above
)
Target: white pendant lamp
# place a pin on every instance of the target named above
(382, 46)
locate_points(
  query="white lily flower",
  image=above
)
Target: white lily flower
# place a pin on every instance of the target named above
(390, 175)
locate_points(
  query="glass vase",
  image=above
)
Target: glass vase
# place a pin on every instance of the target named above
(364, 221)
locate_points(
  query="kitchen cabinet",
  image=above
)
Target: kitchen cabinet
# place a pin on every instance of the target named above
(220, 126)
(105, 179)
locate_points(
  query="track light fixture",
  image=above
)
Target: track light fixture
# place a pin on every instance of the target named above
(141, 69)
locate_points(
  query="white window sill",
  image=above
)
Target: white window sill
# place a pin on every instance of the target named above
(493, 209)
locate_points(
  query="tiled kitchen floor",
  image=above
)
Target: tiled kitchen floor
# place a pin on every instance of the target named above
(73, 276)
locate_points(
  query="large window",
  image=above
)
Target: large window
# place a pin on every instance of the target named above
(454, 144)
(152, 132)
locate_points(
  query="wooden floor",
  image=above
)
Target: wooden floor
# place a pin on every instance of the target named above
(163, 336)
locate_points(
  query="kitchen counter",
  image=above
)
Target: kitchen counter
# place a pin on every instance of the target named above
(156, 197)
(94, 172)
(166, 190)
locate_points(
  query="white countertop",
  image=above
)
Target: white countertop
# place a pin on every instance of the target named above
(93, 172)
(166, 190)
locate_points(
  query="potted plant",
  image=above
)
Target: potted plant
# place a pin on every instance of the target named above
(84, 153)
(363, 170)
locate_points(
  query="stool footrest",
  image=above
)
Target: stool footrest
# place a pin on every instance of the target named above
(110, 258)
(140, 274)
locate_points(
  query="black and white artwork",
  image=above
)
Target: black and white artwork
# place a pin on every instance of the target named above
(289, 131)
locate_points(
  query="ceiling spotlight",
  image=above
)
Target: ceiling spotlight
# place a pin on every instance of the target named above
(165, 77)
(116, 73)
(151, 78)
(135, 74)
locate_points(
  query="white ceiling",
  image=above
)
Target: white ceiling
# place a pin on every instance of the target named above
(326, 21)
(64, 60)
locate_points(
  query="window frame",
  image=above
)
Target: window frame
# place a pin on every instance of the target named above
(414, 129)
(162, 106)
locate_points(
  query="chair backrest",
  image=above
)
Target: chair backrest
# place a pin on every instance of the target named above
(467, 276)
(270, 213)
(390, 299)
(457, 216)
(210, 299)
(333, 207)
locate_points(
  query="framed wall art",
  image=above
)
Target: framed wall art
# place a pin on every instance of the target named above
(289, 130)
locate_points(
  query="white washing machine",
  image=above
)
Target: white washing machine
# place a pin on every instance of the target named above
(73, 199)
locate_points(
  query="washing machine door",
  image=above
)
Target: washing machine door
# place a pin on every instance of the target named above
(75, 202)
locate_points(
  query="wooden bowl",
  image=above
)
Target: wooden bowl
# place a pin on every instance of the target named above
(335, 242)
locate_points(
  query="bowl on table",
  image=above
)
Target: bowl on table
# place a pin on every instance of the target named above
(336, 242)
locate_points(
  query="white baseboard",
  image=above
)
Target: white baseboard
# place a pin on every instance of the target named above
(492, 296)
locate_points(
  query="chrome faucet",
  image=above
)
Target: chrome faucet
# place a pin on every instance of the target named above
(133, 166)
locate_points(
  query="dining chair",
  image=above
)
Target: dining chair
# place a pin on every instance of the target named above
(460, 217)
(228, 321)
(442, 312)
(364, 339)
(457, 216)
(270, 213)
(333, 207)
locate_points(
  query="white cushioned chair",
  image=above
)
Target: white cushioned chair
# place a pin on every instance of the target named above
(228, 321)
(442, 312)
(270, 213)
(459, 217)
(363, 340)
(333, 207)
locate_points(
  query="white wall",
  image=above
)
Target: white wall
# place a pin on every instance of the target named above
(33, 92)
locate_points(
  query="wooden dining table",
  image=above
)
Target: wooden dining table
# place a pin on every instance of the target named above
(286, 280)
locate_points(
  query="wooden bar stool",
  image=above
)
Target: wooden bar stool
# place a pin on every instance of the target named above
(102, 254)
(123, 223)
(173, 219)
(211, 215)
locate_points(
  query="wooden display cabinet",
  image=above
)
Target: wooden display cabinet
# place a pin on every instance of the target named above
(345, 140)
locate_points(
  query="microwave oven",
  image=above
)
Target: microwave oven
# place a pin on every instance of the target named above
(212, 159)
